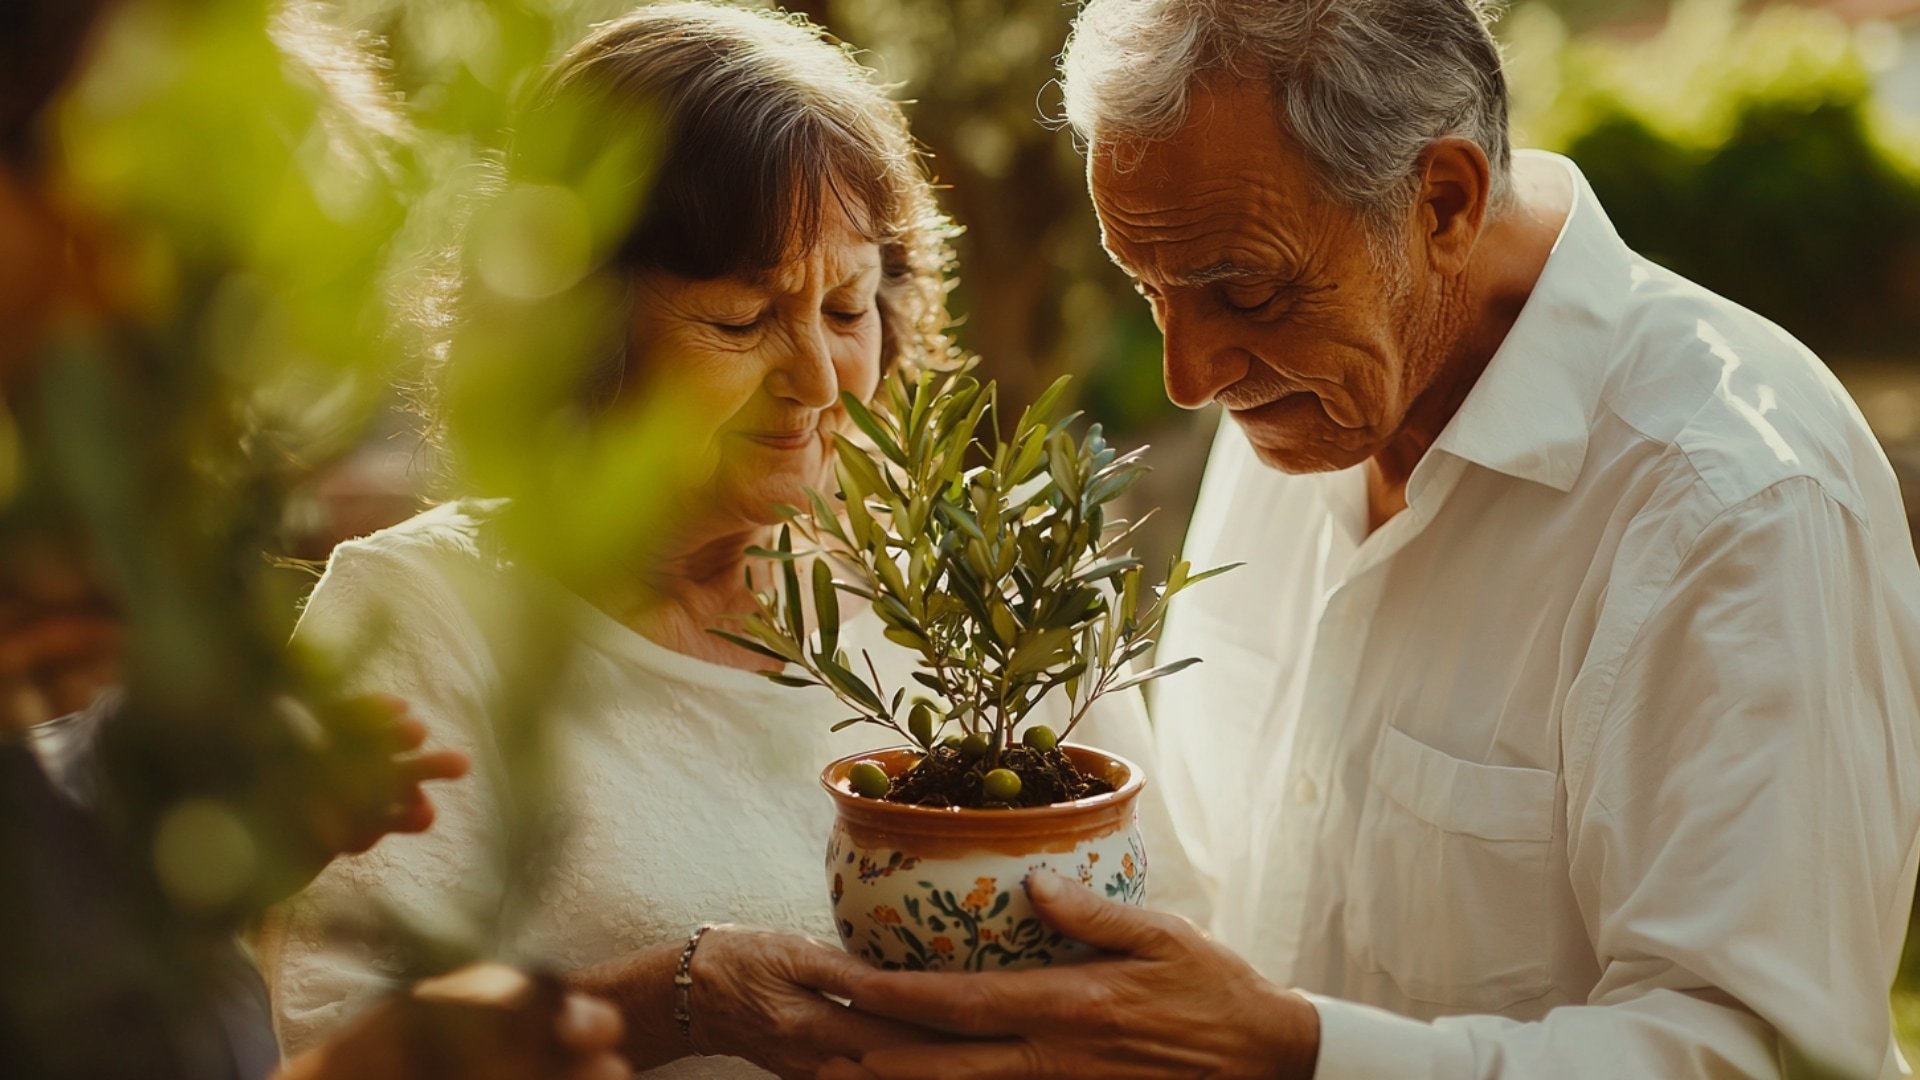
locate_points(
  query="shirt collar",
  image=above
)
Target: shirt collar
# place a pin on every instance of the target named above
(1529, 414)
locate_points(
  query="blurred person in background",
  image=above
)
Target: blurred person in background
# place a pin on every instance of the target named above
(93, 984)
(788, 251)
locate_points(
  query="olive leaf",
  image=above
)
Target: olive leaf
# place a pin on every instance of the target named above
(748, 644)
(826, 608)
(872, 428)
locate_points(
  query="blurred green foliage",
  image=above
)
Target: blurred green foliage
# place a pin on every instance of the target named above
(277, 237)
(241, 214)
(1747, 152)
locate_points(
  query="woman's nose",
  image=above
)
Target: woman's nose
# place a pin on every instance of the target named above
(806, 375)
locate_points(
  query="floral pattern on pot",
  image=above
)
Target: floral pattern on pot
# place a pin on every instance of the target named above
(898, 909)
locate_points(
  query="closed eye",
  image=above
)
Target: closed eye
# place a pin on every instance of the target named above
(1249, 299)
(738, 329)
(849, 318)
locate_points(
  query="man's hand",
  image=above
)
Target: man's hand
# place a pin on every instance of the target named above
(1171, 1003)
(485, 1022)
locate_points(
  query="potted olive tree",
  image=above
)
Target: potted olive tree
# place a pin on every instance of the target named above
(992, 560)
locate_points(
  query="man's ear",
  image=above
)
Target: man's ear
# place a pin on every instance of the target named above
(1455, 186)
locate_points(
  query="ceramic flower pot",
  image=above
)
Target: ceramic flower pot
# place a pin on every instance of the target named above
(927, 888)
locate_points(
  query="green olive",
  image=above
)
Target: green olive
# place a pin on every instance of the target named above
(1040, 737)
(920, 723)
(1002, 785)
(976, 745)
(869, 779)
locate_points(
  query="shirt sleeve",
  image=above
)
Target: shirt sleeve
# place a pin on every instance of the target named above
(331, 950)
(1741, 814)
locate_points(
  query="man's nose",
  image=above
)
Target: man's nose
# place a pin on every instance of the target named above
(1197, 364)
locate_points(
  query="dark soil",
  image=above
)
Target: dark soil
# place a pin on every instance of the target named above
(945, 778)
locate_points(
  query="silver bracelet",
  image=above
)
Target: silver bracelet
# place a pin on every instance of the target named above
(683, 989)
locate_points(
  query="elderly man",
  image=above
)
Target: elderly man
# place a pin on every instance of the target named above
(1563, 722)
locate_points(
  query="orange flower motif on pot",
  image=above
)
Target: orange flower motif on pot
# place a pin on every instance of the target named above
(988, 935)
(984, 890)
(887, 915)
(1130, 883)
(942, 945)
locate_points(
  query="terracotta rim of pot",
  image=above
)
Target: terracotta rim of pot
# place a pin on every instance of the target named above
(938, 831)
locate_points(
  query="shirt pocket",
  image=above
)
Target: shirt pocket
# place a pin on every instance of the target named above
(1449, 889)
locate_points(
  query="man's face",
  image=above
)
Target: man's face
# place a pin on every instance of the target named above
(1268, 295)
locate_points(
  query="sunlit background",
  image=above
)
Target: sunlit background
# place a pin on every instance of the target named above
(284, 180)
(1771, 152)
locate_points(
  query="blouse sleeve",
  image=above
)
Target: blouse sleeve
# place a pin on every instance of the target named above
(398, 627)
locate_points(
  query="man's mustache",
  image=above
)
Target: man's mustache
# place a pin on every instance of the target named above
(1259, 388)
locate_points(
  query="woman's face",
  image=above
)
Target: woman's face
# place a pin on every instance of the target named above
(763, 363)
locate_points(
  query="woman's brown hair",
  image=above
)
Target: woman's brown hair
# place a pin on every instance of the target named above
(762, 118)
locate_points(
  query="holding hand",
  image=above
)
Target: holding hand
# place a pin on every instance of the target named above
(1171, 1003)
(755, 994)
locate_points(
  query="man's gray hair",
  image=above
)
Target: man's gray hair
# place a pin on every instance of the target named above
(1365, 86)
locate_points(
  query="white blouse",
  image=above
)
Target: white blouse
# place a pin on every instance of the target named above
(1602, 759)
(687, 791)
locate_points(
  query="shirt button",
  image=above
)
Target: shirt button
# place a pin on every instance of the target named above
(1305, 791)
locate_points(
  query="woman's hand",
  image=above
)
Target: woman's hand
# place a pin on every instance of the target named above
(340, 824)
(365, 781)
(756, 994)
(485, 1022)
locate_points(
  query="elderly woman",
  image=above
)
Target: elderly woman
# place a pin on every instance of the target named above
(789, 250)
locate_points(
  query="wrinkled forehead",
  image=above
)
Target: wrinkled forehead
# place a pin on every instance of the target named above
(840, 244)
(1230, 169)
(1173, 221)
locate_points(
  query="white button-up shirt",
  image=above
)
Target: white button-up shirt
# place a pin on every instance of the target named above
(1600, 758)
